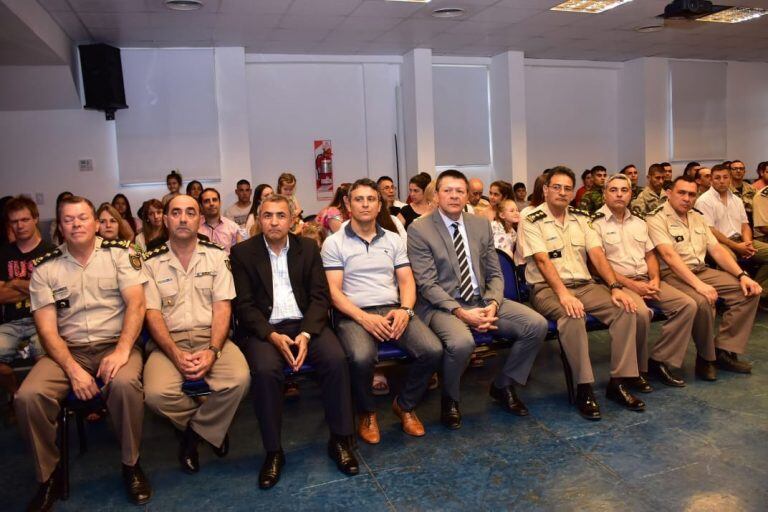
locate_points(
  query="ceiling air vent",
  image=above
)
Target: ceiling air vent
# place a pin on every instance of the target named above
(448, 12)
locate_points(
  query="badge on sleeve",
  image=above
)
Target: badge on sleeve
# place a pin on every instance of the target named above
(135, 260)
(62, 304)
(679, 238)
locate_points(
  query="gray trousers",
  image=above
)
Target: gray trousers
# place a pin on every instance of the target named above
(362, 351)
(516, 322)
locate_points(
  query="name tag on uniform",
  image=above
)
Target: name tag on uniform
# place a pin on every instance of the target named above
(165, 280)
(211, 273)
(555, 254)
(60, 292)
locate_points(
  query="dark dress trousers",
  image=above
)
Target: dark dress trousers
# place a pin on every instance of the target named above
(252, 272)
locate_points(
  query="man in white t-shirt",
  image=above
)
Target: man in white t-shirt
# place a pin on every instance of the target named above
(239, 211)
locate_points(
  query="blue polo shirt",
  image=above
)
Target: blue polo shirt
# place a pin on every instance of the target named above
(369, 267)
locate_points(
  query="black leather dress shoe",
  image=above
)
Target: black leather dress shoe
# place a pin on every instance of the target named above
(618, 392)
(222, 450)
(662, 372)
(341, 452)
(640, 383)
(188, 456)
(507, 398)
(450, 415)
(729, 362)
(586, 403)
(47, 494)
(270, 470)
(136, 484)
(705, 370)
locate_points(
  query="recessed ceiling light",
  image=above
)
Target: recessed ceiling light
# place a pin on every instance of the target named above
(588, 6)
(734, 15)
(649, 29)
(184, 5)
(448, 12)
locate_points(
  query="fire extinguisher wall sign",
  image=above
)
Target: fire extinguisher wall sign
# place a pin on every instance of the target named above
(323, 169)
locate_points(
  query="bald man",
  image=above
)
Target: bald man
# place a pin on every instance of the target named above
(476, 197)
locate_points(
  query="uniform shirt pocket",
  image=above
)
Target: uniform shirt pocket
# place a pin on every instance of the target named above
(108, 285)
(612, 238)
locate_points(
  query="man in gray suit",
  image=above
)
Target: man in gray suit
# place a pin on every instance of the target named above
(461, 287)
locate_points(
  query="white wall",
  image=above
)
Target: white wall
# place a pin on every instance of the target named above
(293, 103)
(39, 150)
(571, 115)
(748, 113)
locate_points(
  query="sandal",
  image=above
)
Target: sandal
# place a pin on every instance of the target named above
(380, 385)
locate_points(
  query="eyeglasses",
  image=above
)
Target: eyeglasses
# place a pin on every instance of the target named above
(738, 168)
(559, 188)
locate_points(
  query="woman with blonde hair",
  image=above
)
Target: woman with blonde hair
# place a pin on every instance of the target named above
(152, 224)
(112, 226)
(504, 226)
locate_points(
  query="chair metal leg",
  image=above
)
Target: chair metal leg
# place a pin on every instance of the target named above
(568, 374)
(80, 422)
(64, 451)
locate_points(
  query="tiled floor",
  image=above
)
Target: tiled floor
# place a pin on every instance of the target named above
(704, 447)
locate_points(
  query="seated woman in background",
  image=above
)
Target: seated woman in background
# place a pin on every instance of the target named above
(194, 189)
(173, 182)
(332, 216)
(153, 229)
(762, 177)
(504, 227)
(111, 225)
(259, 193)
(286, 186)
(56, 238)
(499, 191)
(123, 207)
(418, 202)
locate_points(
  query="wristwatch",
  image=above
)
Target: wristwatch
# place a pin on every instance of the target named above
(306, 335)
(615, 286)
(216, 351)
(407, 310)
(743, 273)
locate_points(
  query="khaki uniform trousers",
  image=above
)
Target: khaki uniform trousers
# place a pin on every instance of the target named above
(228, 379)
(680, 311)
(38, 403)
(573, 332)
(760, 257)
(737, 320)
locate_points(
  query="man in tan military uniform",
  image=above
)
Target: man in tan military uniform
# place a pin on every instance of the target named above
(760, 214)
(683, 239)
(743, 190)
(653, 194)
(188, 295)
(630, 252)
(88, 305)
(557, 240)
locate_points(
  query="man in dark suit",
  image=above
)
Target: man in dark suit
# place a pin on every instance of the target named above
(461, 289)
(282, 307)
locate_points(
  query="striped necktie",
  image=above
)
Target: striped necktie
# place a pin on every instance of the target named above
(465, 282)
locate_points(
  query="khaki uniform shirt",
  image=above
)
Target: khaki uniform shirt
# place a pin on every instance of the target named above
(566, 244)
(647, 201)
(88, 300)
(186, 297)
(690, 242)
(760, 211)
(625, 241)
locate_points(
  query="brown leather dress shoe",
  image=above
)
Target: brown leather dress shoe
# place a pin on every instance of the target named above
(368, 428)
(411, 423)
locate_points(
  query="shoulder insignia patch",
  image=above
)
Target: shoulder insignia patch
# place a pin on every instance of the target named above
(208, 243)
(655, 210)
(156, 252)
(46, 257)
(135, 260)
(579, 211)
(764, 192)
(123, 244)
(536, 216)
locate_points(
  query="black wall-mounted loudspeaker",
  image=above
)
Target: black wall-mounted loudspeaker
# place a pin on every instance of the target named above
(102, 78)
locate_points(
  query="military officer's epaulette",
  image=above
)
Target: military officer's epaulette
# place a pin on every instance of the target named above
(123, 244)
(697, 211)
(597, 215)
(211, 244)
(579, 211)
(655, 210)
(637, 213)
(156, 252)
(764, 192)
(536, 216)
(46, 257)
